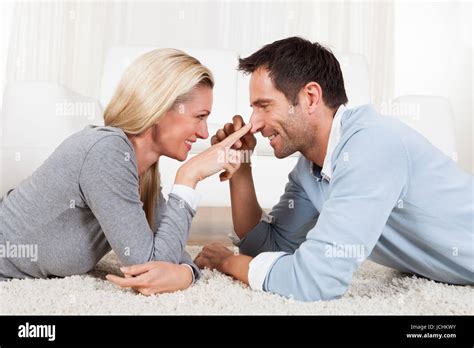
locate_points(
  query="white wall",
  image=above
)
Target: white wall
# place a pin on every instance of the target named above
(66, 41)
(433, 55)
(6, 10)
(430, 46)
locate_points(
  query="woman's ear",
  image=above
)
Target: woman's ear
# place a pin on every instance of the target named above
(313, 95)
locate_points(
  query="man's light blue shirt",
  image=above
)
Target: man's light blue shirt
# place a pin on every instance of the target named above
(389, 195)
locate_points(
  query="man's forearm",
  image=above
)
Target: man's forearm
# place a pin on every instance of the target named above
(237, 266)
(246, 211)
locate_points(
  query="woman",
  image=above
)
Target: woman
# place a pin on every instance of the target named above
(100, 189)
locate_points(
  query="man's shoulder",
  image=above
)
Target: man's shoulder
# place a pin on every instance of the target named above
(366, 122)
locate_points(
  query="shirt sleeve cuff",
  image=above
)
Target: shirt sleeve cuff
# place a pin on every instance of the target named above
(192, 272)
(188, 194)
(260, 266)
(265, 217)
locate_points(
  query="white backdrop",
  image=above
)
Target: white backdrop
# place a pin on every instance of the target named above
(66, 41)
(433, 55)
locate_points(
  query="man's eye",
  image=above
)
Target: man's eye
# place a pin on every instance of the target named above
(202, 117)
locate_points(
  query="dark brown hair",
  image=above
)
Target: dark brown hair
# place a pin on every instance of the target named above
(293, 62)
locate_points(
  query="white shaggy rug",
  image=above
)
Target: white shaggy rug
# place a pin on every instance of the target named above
(375, 290)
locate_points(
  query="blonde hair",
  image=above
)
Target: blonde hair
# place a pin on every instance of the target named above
(152, 85)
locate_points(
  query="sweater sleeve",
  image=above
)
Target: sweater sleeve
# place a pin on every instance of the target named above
(285, 228)
(161, 211)
(369, 178)
(110, 186)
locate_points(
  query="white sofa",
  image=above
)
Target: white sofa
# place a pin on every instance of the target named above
(33, 124)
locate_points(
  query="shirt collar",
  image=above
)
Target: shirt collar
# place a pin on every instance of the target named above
(334, 137)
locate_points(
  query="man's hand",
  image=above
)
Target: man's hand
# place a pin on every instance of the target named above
(217, 256)
(154, 277)
(217, 158)
(213, 256)
(245, 144)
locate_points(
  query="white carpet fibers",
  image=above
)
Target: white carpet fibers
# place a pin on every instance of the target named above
(375, 290)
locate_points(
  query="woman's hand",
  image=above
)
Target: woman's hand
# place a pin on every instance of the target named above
(246, 143)
(154, 277)
(217, 158)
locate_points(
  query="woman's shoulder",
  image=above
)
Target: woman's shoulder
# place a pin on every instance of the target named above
(100, 132)
(91, 136)
(105, 149)
(95, 143)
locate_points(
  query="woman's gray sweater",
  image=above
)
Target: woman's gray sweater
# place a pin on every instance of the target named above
(82, 202)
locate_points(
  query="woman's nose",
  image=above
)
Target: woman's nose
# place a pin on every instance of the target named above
(202, 132)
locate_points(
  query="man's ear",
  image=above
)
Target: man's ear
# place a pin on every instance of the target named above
(313, 96)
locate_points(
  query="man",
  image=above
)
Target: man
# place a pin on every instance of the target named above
(365, 186)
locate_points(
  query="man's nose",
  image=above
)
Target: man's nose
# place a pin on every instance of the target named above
(257, 122)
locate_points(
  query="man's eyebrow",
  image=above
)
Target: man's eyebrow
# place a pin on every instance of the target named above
(205, 111)
(259, 102)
